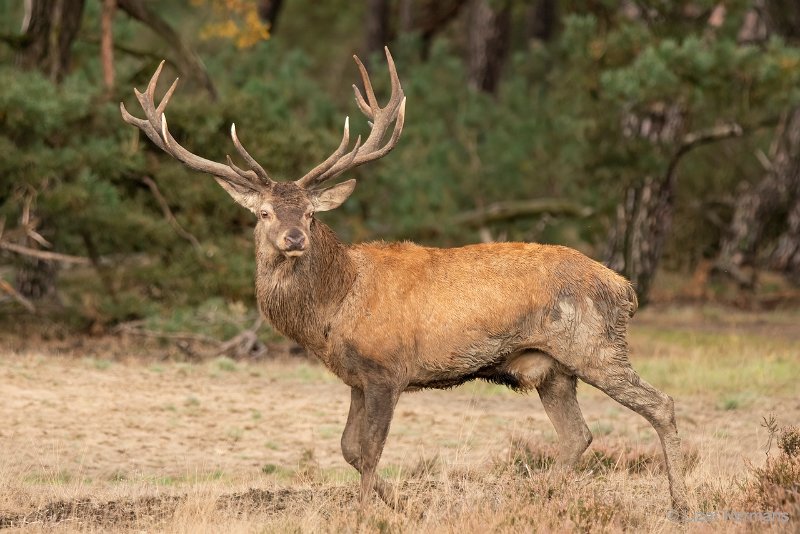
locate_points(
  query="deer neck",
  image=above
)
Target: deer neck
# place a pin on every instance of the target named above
(299, 296)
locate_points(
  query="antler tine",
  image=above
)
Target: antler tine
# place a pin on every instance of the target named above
(146, 99)
(143, 125)
(197, 163)
(395, 79)
(320, 169)
(259, 170)
(373, 102)
(248, 175)
(362, 104)
(399, 119)
(154, 125)
(151, 85)
(164, 101)
(343, 164)
(381, 117)
(365, 156)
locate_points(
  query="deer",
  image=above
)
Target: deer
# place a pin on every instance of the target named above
(387, 318)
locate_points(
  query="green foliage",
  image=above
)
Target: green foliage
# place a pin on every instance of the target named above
(555, 129)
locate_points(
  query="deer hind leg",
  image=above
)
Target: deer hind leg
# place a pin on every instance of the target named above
(619, 381)
(560, 401)
(352, 445)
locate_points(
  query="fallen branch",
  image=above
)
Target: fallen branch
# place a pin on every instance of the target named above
(244, 344)
(515, 209)
(44, 254)
(745, 280)
(134, 328)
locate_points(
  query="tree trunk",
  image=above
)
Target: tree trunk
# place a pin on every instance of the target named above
(107, 43)
(36, 279)
(50, 27)
(542, 20)
(778, 192)
(782, 17)
(786, 257)
(644, 217)
(376, 26)
(757, 207)
(269, 11)
(643, 223)
(488, 42)
(428, 17)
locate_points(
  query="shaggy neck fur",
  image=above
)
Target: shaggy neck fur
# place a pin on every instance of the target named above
(299, 295)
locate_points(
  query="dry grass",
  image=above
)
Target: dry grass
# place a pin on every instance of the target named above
(112, 443)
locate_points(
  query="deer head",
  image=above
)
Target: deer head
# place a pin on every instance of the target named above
(285, 210)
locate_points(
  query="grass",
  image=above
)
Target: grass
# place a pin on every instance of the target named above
(504, 498)
(718, 364)
(223, 363)
(99, 364)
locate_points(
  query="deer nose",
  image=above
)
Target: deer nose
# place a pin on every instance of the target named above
(294, 240)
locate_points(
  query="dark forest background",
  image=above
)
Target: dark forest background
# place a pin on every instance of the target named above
(656, 136)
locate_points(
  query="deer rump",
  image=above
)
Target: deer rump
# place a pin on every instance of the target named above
(509, 313)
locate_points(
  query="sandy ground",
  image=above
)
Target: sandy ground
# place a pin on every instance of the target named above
(68, 418)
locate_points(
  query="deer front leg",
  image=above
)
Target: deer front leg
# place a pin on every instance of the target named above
(351, 438)
(352, 445)
(379, 403)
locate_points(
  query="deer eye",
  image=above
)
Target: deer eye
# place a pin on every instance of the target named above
(265, 214)
(309, 215)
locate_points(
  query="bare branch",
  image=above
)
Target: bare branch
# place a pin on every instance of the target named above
(709, 135)
(698, 138)
(44, 254)
(187, 58)
(146, 54)
(162, 202)
(6, 287)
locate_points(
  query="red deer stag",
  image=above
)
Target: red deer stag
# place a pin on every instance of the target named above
(393, 317)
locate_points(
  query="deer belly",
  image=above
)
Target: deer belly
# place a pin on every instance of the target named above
(523, 371)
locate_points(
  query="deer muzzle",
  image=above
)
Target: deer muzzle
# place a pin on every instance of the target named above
(294, 242)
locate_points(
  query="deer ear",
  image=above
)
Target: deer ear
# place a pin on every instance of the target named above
(332, 197)
(244, 197)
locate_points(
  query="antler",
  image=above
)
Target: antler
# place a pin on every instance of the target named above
(155, 127)
(381, 117)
